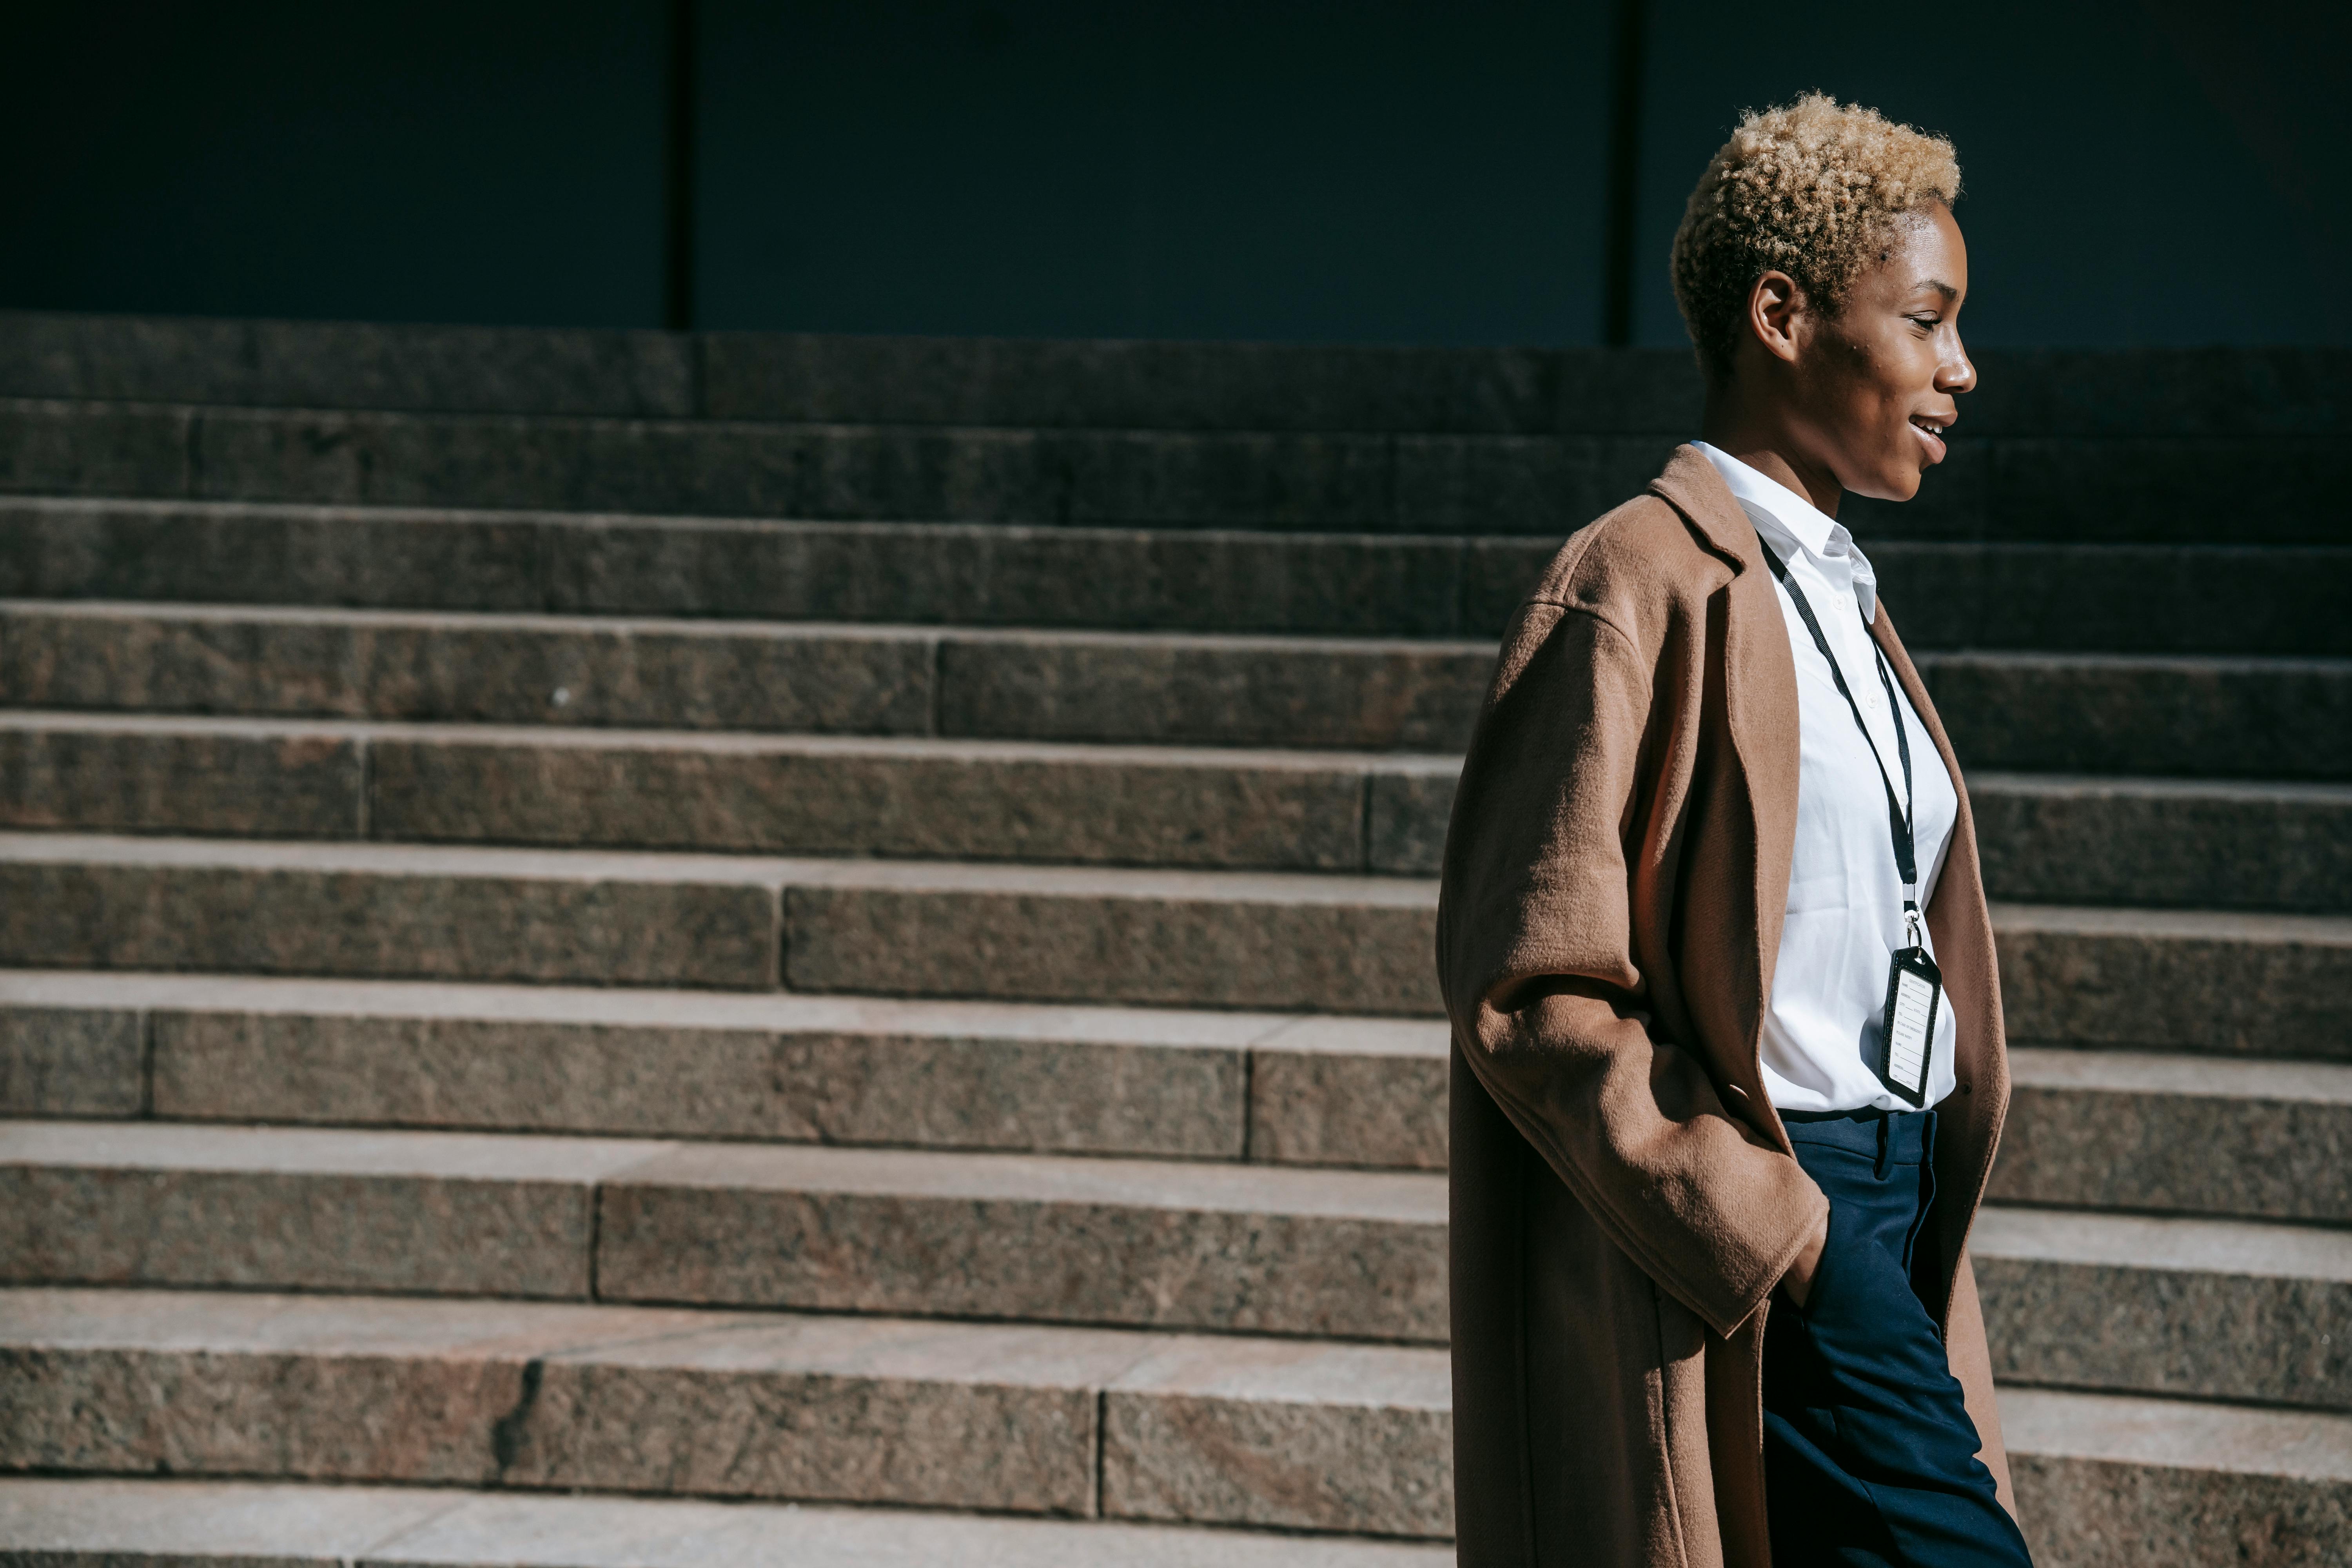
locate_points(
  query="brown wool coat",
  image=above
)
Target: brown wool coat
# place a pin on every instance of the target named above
(1623, 1196)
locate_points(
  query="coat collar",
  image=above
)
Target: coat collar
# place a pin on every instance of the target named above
(1761, 716)
(1690, 483)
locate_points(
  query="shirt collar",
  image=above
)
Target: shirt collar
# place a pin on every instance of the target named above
(1790, 522)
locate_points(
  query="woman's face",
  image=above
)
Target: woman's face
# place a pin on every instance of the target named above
(1875, 385)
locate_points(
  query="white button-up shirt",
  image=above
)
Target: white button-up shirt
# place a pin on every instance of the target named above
(1825, 1023)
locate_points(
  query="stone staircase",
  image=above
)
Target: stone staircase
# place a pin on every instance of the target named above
(554, 1016)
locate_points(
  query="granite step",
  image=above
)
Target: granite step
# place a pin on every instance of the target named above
(1358, 694)
(2168, 716)
(2178, 1134)
(2186, 1308)
(1215, 1248)
(1007, 1418)
(2176, 716)
(1278, 1089)
(2239, 391)
(2114, 1482)
(2211, 844)
(2237, 1309)
(2208, 981)
(2234, 488)
(234, 1524)
(891, 796)
(2103, 1482)
(2211, 599)
(2197, 981)
(2108, 1130)
(1277, 941)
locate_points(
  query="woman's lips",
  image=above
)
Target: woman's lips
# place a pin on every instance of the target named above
(1931, 439)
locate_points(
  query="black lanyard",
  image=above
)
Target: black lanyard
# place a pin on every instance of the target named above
(1900, 814)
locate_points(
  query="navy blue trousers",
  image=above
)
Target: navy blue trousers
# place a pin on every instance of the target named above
(1869, 1454)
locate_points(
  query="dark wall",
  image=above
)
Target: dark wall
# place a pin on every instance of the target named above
(2134, 172)
(497, 161)
(1322, 169)
(1368, 170)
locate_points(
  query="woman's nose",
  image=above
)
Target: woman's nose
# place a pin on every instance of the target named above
(1957, 373)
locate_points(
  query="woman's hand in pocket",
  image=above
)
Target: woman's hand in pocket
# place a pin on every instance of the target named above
(1798, 1280)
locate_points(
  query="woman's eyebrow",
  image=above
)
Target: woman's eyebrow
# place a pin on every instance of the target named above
(1940, 286)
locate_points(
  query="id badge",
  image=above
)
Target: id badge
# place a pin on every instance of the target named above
(1914, 994)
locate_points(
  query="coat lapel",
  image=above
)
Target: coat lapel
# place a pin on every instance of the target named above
(1760, 703)
(1961, 928)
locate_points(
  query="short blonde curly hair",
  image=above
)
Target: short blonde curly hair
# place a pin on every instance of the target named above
(1811, 189)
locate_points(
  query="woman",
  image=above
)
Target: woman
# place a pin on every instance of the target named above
(1728, 1056)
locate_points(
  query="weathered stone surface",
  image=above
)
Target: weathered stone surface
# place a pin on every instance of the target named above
(1550, 485)
(2192, 1308)
(64, 448)
(1183, 939)
(840, 1409)
(1408, 809)
(482, 669)
(1241, 1248)
(102, 1522)
(1307, 1437)
(2089, 1513)
(841, 471)
(149, 1203)
(866, 1409)
(2184, 1134)
(2142, 392)
(2272, 986)
(2115, 1482)
(1009, 574)
(1498, 575)
(91, 774)
(1351, 1091)
(2170, 599)
(121, 903)
(234, 1384)
(345, 364)
(968, 800)
(2271, 488)
(2118, 598)
(2072, 840)
(72, 1061)
(2210, 718)
(1229, 691)
(963, 1076)
(241, 553)
(1187, 386)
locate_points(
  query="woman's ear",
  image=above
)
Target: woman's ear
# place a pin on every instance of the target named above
(1774, 304)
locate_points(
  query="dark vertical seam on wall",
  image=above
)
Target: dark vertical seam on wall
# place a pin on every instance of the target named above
(1624, 173)
(147, 1063)
(595, 1240)
(363, 824)
(935, 698)
(677, 258)
(1102, 1449)
(192, 458)
(1249, 1103)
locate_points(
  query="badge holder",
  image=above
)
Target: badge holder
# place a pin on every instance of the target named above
(1914, 994)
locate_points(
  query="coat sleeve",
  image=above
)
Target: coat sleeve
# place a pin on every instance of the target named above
(1971, 1362)
(1535, 958)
